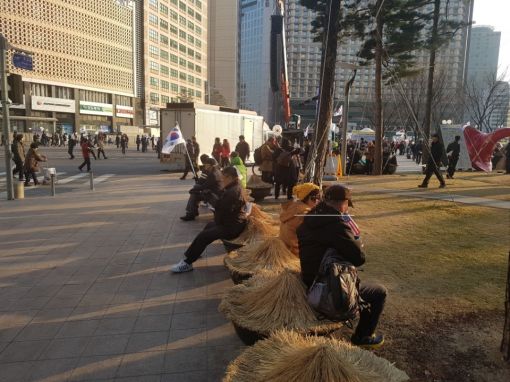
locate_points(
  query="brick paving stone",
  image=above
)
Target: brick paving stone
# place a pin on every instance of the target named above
(99, 303)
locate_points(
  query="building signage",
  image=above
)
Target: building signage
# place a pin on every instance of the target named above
(124, 111)
(53, 104)
(22, 61)
(95, 108)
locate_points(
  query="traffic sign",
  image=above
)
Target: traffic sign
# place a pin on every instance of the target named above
(23, 61)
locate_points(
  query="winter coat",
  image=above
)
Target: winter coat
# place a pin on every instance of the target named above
(229, 211)
(239, 165)
(216, 151)
(32, 160)
(289, 223)
(209, 180)
(318, 233)
(266, 152)
(243, 149)
(436, 151)
(18, 151)
(283, 174)
(454, 147)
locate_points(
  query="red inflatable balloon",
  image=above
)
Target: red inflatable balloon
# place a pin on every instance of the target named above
(480, 146)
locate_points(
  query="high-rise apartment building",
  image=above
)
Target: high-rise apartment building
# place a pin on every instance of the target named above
(304, 59)
(84, 70)
(175, 53)
(254, 92)
(483, 53)
(223, 53)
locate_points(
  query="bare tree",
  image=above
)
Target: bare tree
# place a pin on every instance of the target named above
(483, 100)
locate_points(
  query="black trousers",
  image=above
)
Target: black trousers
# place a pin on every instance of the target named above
(286, 188)
(210, 233)
(30, 174)
(86, 161)
(375, 295)
(70, 151)
(432, 169)
(267, 176)
(19, 168)
(452, 164)
(99, 151)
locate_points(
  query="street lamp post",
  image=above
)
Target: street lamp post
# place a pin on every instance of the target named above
(6, 120)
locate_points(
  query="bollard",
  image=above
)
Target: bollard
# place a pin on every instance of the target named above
(91, 180)
(52, 177)
(19, 191)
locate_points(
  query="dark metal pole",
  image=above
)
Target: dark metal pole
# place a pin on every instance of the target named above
(5, 117)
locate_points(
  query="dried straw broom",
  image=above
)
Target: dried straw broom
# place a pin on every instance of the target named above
(257, 213)
(271, 254)
(269, 302)
(291, 357)
(255, 230)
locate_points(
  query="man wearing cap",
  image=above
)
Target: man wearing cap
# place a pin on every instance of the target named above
(329, 225)
(208, 188)
(229, 220)
(434, 162)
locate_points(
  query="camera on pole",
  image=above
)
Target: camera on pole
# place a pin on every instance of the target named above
(15, 91)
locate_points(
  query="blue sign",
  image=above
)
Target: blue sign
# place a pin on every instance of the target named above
(22, 61)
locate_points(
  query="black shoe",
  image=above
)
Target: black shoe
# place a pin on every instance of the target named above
(187, 218)
(371, 342)
(79, 168)
(442, 185)
(182, 178)
(423, 185)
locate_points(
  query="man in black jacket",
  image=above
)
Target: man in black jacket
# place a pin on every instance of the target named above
(453, 151)
(229, 221)
(434, 162)
(328, 225)
(208, 188)
(243, 149)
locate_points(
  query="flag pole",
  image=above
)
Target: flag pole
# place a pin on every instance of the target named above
(190, 162)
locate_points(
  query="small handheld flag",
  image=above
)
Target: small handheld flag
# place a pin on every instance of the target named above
(173, 138)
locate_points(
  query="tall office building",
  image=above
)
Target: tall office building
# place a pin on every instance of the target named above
(483, 53)
(223, 53)
(304, 57)
(254, 92)
(175, 51)
(84, 70)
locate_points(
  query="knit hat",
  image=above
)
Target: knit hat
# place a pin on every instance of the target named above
(304, 189)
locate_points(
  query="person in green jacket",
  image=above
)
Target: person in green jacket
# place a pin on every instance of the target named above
(237, 162)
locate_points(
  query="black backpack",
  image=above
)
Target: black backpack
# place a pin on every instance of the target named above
(334, 292)
(257, 156)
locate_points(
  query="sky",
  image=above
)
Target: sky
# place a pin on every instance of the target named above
(496, 13)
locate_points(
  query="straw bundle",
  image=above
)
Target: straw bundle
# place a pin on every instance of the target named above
(269, 302)
(255, 230)
(257, 213)
(290, 357)
(271, 254)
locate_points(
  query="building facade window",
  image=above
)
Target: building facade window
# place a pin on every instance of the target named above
(165, 85)
(164, 70)
(153, 35)
(153, 19)
(154, 67)
(154, 97)
(154, 83)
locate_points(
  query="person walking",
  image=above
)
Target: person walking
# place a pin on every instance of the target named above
(225, 153)
(285, 169)
(85, 151)
(70, 146)
(117, 140)
(266, 152)
(123, 143)
(138, 141)
(18, 155)
(419, 151)
(434, 162)
(100, 146)
(370, 156)
(217, 149)
(31, 165)
(243, 149)
(229, 221)
(190, 160)
(453, 153)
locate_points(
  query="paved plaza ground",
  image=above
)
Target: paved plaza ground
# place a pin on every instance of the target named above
(86, 293)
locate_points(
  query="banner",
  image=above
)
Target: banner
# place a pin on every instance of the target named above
(53, 104)
(124, 111)
(95, 108)
(173, 138)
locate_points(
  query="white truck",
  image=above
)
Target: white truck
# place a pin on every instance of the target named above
(206, 122)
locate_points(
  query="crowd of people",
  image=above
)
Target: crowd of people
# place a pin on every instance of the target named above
(310, 224)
